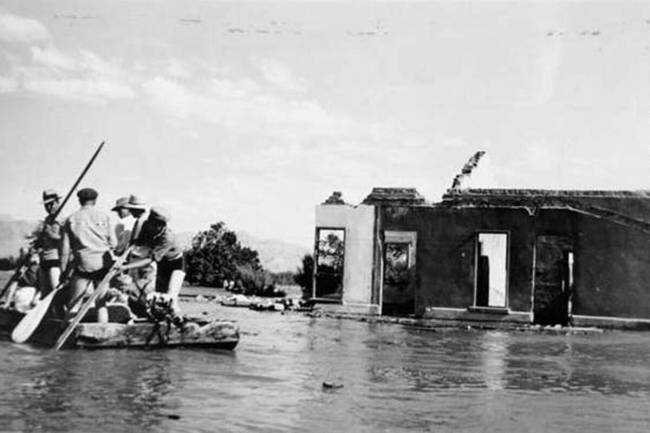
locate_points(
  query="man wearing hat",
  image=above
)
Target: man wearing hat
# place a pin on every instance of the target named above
(124, 227)
(143, 277)
(48, 243)
(164, 251)
(138, 209)
(88, 238)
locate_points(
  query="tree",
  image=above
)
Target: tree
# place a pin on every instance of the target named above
(216, 255)
(304, 276)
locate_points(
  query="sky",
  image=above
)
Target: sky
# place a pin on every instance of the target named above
(253, 113)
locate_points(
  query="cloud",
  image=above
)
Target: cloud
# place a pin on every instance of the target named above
(243, 106)
(95, 64)
(39, 67)
(279, 74)
(84, 76)
(52, 58)
(88, 89)
(15, 28)
(7, 85)
(177, 69)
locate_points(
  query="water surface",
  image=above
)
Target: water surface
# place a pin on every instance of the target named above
(395, 379)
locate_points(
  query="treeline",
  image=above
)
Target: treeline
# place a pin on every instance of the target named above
(8, 263)
(218, 259)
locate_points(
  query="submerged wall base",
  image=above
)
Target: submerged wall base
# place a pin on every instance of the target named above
(461, 314)
(611, 322)
(349, 308)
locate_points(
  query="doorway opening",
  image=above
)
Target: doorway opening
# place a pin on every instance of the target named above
(329, 266)
(491, 270)
(554, 280)
(398, 288)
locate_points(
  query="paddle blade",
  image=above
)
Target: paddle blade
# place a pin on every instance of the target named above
(32, 319)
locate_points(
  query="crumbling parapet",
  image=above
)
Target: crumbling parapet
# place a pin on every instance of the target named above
(335, 198)
(466, 171)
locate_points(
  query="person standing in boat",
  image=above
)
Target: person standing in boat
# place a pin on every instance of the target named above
(123, 281)
(164, 250)
(124, 226)
(48, 243)
(88, 238)
(138, 209)
(144, 277)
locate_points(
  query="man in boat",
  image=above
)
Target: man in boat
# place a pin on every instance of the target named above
(123, 282)
(163, 249)
(23, 291)
(48, 243)
(124, 227)
(88, 238)
(144, 277)
(138, 209)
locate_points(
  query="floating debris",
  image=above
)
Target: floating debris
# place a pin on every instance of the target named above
(332, 385)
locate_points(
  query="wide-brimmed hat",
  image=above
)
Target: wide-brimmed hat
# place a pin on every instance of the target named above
(135, 202)
(121, 203)
(87, 194)
(50, 195)
(159, 214)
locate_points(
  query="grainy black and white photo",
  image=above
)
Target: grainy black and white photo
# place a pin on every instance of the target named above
(324, 216)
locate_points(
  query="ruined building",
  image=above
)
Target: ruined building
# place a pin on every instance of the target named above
(488, 255)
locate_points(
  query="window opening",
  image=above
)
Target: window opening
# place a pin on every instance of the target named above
(330, 255)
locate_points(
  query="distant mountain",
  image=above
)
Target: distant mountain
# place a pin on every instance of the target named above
(13, 234)
(276, 255)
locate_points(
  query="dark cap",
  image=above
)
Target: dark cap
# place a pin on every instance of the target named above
(159, 214)
(86, 194)
(50, 195)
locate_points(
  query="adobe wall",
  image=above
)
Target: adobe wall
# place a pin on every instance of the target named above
(612, 262)
(612, 270)
(445, 252)
(359, 225)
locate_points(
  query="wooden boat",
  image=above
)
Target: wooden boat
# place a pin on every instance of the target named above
(195, 332)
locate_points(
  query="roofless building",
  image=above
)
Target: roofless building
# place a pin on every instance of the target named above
(504, 256)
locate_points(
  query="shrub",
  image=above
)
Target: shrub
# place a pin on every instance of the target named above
(216, 255)
(304, 276)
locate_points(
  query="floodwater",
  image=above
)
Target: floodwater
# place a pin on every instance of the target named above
(394, 379)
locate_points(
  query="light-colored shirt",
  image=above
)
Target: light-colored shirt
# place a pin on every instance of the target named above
(49, 241)
(89, 235)
(123, 231)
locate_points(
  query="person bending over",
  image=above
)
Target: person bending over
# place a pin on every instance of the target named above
(163, 249)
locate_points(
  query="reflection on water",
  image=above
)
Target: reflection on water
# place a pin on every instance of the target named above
(395, 379)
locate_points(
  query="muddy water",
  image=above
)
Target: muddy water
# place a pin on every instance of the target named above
(395, 379)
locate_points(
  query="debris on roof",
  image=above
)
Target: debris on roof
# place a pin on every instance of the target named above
(394, 196)
(335, 198)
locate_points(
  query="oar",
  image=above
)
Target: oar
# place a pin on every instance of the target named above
(56, 213)
(52, 217)
(33, 318)
(99, 291)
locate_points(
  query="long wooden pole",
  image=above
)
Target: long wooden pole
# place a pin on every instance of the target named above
(50, 218)
(99, 292)
(56, 213)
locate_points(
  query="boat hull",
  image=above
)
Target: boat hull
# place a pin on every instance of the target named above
(196, 333)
